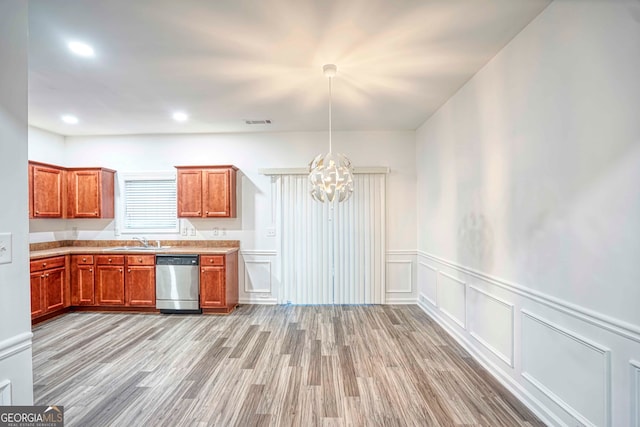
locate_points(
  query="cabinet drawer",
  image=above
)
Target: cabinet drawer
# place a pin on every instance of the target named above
(109, 259)
(82, 259)
(141, 260)
(212, 260)
(47, 263)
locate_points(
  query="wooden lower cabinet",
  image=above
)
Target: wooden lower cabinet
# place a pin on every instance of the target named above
(82, 280)
(37, 295)
(49, 286)
(140, 281)
(219, 282)
(109, 284)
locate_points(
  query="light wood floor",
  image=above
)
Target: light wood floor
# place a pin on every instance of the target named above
(266, 365)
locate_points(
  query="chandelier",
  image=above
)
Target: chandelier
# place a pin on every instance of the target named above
(331, 174)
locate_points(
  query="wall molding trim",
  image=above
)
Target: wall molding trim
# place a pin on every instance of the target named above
(616, 326)
(258, 252)
(541, 411)
(408, 252)
(15, 344)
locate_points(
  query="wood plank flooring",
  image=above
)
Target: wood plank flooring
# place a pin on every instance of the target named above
(266, 365)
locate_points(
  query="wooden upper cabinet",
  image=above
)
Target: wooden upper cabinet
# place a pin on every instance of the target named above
(189, 193)
(91, 193)
(207, 191)
(46, 191)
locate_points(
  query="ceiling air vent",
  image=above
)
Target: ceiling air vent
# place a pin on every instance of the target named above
(258, 122)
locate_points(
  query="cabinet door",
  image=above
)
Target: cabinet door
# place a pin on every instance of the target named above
(37, 294)
(46, 192)
(54, 285)
(217, 194)
(212, 289)
(141, 286)
(84, 194)
(190, 193)
(110, 284)
(82, 285)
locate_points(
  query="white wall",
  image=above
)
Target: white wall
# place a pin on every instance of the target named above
(529, 213)
(16, 381)
(249, 152)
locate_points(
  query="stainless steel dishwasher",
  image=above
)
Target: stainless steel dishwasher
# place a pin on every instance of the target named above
(178, 283)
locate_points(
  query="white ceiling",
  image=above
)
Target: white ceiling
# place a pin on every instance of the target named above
(226, 61)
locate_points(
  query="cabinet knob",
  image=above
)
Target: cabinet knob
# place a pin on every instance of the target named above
(120, 270)
(139, 259)
(91, 270)
(95, 213)
(46, 275)
(38, 212)
(44, 264)
(84, 259)
(42, 277)
(109, 259)
(207, 212)
(198, 212)
(129, 270)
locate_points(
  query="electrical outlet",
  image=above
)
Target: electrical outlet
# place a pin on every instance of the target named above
(215, 231)
(224, 231)
(271, 232)
(184, 231)
(193, 231)
(5, 248)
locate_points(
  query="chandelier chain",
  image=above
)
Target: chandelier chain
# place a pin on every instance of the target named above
(330, 102)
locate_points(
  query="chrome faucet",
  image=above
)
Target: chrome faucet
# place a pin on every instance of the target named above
(143, 241)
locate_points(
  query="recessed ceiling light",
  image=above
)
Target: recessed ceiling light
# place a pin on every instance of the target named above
(81, 49)
(179, 116)
(69, 119)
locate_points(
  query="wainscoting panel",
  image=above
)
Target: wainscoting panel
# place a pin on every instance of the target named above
(570, 365)
(635, 393)
(452, 298)
(582, 389)
(491, 323)
(428, 277)
(257, 277)
(5, 393)
(401, 276)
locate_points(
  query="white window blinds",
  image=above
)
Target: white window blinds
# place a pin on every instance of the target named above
(149, 204)
(333, 253)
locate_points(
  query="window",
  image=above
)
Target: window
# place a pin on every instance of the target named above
(149, 203)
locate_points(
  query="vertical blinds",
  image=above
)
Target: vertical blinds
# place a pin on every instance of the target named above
(150, 205)
(333, 253)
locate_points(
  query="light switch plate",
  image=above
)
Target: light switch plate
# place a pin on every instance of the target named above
(5, 248)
